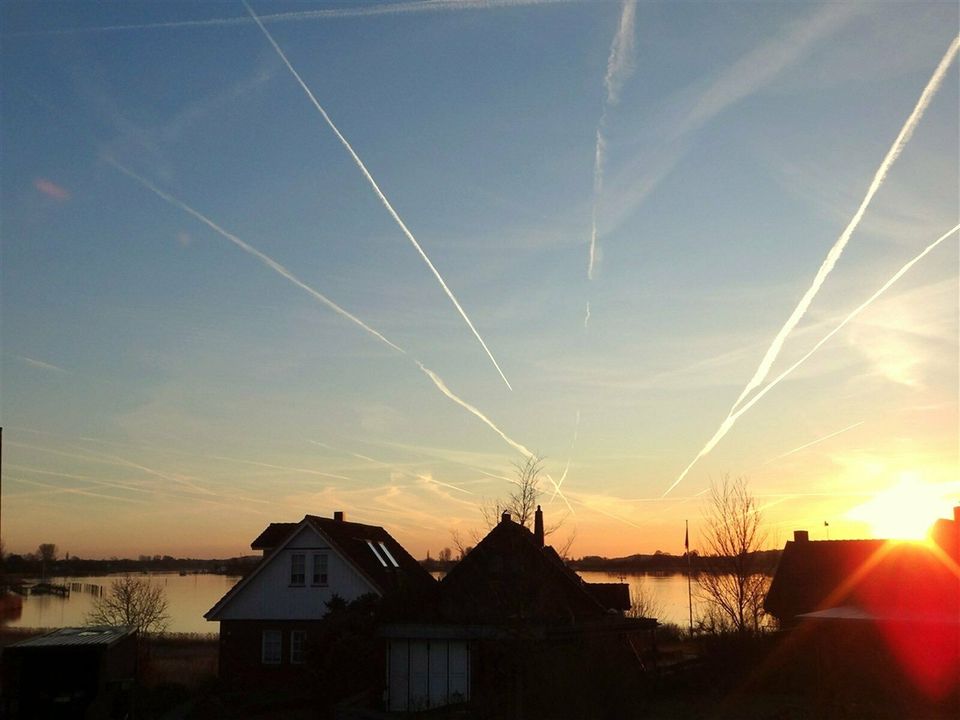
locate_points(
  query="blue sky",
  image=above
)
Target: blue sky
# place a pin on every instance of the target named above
(162, 382)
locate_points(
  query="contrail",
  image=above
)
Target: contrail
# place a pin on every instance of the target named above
(376, 188)
(586, 317)
(619, 68)
(428, 479)
(898, 144)
(732, 418)
(307, 471)
(400, 8)
(277, 267)
(814, 442)
(566, 468)
(556, 490)
(265, 259)
(442, 387)
(56, 490)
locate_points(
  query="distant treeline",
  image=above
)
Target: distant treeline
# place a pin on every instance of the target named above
(661, 562)
(32, 566)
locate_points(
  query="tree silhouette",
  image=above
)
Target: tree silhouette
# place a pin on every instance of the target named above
(132, 602)
(733, 585)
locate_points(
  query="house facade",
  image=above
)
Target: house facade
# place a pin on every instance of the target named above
(269, 619)
(508, 624)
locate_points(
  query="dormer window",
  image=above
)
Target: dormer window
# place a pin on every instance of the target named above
(298, 569)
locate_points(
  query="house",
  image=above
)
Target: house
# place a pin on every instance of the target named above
(507, 616)
(269, 618)
(87, 672)
(885, 609)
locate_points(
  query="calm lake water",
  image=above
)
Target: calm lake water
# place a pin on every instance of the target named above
(190, 596)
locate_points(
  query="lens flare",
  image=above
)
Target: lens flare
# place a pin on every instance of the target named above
(904, 511)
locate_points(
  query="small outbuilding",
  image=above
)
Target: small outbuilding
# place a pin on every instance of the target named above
(87, 673)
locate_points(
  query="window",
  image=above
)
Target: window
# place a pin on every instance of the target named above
(319, 569)
(298, 569)
(298, 639)
(376, 554)
(388, 555)
(271, 647)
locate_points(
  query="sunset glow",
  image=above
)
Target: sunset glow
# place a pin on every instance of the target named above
(262, 261)
(905, 511)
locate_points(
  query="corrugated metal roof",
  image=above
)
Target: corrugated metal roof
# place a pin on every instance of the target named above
(82, 636)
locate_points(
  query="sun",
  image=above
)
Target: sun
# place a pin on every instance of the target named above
(904, 511)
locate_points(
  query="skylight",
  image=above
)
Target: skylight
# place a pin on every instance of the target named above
(376, 554)
(387, 553)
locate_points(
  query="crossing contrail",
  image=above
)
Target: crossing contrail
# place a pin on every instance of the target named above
(249, 249)
(619, 67)
(278, 268)
(442, 387)
(734, 416)
(814, 442)
(566, 468)
(376, 189)
(827, 266)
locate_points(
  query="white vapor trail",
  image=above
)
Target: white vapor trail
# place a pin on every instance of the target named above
(827, 266)
(814, 442)
(376, 189)
(566, 468)
(734, 416)
(442, 387)
(619, 68)
(586, 317)
(265, 259)
(399, 8)
(277, 267)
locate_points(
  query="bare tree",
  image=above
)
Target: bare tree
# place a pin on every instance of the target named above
(133, 602)
(521, 503)
(733, 585)
(643, 602)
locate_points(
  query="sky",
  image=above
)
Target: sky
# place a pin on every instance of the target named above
(290, 258)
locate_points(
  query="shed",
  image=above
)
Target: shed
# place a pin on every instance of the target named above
(86, 673)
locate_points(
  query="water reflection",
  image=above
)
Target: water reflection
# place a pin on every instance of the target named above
(188, 598)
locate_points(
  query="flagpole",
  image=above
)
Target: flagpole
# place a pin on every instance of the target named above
(686, 546)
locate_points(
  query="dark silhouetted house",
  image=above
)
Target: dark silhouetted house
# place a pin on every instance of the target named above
(877, 605)
(268, 619)
(508, 615)
(87, 673)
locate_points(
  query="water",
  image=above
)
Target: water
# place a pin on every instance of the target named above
(188, 598)
(667, 593)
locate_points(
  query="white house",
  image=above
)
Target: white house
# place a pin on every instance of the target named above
(268, 618)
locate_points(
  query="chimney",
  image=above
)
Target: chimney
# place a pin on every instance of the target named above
(505, 517)
(338, 515)
(538, 526)
(801, 536)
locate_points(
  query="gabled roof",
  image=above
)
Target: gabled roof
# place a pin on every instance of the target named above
(273, 535)
(390, 570)
(508, 577)
(386, 565)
